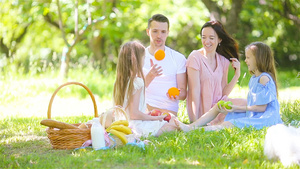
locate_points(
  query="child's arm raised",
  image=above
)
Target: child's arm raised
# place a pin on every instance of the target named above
(135, 113)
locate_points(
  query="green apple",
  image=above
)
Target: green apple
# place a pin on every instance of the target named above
(227, 105)
(221, 103)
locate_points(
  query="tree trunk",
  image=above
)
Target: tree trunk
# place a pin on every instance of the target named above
(213, 9)
(233, 16)
(64, 67)
(229, 18)
(97, 45)
(4, 48)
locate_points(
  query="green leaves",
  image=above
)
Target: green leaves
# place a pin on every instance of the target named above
(273, 22)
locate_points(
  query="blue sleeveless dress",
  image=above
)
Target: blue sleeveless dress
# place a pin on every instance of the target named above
(258, 95)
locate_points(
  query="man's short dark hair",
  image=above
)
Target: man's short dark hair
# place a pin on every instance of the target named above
(158, 18)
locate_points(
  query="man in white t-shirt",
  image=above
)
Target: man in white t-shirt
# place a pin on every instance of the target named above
(164, 74)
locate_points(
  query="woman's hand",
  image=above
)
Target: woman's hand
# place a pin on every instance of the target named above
(236, 65)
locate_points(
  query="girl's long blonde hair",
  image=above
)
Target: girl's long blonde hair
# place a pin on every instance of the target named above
(129, 66)
(265, 61)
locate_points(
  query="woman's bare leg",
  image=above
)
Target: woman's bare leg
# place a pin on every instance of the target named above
(203, 120)
(225, 124)
(218, 120)
(220, 117)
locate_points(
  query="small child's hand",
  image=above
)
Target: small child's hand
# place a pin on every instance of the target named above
(225, 107)
(161, 117)
(222, 109)
(233, 108)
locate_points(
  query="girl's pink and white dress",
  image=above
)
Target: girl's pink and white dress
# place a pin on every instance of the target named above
(142, 127)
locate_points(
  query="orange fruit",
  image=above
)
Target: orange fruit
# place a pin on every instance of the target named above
(173, 91)
(159, 54)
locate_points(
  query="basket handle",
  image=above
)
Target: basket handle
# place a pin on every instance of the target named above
(111, 109)
(70, 83)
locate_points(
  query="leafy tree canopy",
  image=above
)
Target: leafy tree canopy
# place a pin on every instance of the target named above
(32, 42)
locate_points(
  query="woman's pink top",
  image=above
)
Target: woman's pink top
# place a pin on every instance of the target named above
(212, 82)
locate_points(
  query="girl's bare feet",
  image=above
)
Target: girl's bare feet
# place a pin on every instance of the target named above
(182, 126)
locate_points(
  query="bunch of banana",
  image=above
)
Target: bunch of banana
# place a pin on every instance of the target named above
(120, 129)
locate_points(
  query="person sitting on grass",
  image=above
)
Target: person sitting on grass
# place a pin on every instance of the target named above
(207, 71)
(262, 108)
(161, 75)
(129, 91)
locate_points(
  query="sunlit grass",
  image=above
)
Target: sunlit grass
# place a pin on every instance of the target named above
(17, 87)
(24, 144)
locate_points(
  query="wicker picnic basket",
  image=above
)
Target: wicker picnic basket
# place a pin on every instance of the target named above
(69, 138)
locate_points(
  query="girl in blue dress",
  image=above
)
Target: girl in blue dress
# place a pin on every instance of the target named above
(262, 108)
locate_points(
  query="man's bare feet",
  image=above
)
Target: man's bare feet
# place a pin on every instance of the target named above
(182, 126)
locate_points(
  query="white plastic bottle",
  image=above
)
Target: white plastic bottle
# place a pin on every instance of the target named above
(97, 134)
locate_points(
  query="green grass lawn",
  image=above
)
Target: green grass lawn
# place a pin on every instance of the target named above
(24, 142)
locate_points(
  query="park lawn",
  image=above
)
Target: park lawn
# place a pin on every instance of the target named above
(24, 142)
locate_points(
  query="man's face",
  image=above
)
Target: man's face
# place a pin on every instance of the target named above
(158, 33)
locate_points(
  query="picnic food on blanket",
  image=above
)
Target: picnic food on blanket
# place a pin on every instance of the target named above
(83, 126)
(107, 118)
(120, 135)
(159, 54)
(173, 91)
(57, 124)
(120, 125)
(120, 129)
(168, 117)
(120, 122)
(97, 134)
(155, 112)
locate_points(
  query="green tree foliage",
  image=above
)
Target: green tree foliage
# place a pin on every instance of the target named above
(276, 23)
(32, 42)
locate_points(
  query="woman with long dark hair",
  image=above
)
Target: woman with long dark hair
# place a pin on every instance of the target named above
(207, 70)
